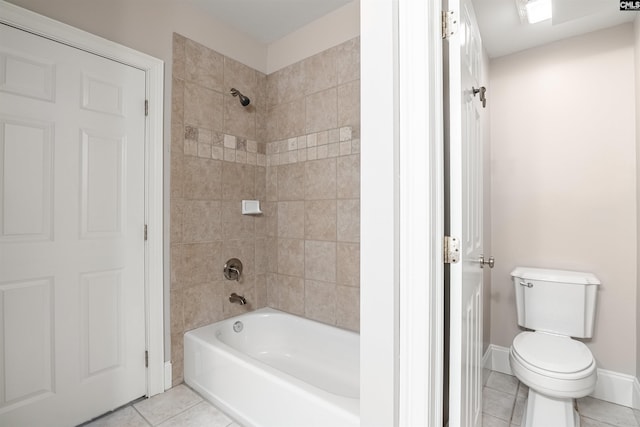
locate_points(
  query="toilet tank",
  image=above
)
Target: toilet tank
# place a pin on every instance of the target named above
(557, 301)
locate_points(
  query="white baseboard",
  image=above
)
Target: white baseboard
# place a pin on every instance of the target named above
(613, 387)
(168, 375)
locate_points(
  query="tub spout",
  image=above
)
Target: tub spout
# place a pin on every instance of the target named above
(239, 299)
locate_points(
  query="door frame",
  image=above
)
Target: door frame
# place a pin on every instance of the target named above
(402, 226)
(153, 68)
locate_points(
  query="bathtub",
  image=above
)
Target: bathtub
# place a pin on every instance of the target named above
(271, 369)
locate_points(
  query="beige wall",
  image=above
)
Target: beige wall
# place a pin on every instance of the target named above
(564, 179)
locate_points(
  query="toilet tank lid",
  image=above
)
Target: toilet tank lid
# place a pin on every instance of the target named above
(562, 276)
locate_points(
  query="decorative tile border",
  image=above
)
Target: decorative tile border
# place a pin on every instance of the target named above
(210, 144)
(313, 146)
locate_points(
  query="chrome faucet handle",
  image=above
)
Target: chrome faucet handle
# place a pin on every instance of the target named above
(233, 269)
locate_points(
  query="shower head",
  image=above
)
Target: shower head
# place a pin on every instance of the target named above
(243, 99)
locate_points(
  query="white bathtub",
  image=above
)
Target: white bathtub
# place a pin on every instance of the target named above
(280, 370)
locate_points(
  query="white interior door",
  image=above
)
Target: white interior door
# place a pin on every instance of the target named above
(464, 56)
(72, 306)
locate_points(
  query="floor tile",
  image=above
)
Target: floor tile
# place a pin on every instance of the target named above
(166, 405)
(497, 403)
(203, 414)
(588, 422)
(606, 412)
(125, 417)
(518, 410)
(503, 382)
(489, 421)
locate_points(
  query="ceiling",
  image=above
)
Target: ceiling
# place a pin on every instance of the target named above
(268, 20)
(503, 33)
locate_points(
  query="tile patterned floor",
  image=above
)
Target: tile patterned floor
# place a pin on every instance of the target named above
(504, 398)
(178, 407)
(503, 405)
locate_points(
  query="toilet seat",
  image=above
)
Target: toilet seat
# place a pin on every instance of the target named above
(555, 355)
(572, 374)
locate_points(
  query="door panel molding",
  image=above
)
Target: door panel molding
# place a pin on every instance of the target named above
(154, 76)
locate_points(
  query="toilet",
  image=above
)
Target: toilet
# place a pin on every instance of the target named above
(554, 306)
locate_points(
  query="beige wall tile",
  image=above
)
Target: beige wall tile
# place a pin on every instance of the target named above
(203, 66)
(177, 358)
(272, 255)
(291, 257)
(195, 263)
(236, 225)
(177, 103)
(320, 301)
(348, 264)
(261, 291)
(349, 106)
(261, 183)
(348, 60)
(201, 221)
(203, 107)
(348, 177)
(202, 179)
(177, 174)
(267, 222)
(320, 260)
(348, 307)
(321, 111)
(349, 220)
(203, 304)
(287, 84)
(320, 179)
(292, 295)
(320, 220)
(286, 120)
(239, 120)
(238, 181)
(286, 293)
(291, 182)
(177, 217)
(291, 220)
(320, 71)
(177, 311)
(272, 183)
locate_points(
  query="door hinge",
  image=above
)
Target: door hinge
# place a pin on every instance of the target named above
(145, 232)
(451, 250)
(146, 107)
(449, 23)
(146, 358)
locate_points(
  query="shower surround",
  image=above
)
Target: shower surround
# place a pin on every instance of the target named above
(296, 149)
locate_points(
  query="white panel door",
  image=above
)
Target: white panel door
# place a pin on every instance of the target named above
(72, 312)
(464, 56)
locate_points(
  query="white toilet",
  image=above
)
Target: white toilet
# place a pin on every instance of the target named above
(555, 305)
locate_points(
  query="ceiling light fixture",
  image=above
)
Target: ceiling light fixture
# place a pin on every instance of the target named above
(534, 11)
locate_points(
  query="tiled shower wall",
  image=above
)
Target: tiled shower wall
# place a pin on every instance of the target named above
(313, 186)
(296, 149)
(218, 158)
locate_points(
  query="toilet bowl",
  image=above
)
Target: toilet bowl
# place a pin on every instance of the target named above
(556, 305)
